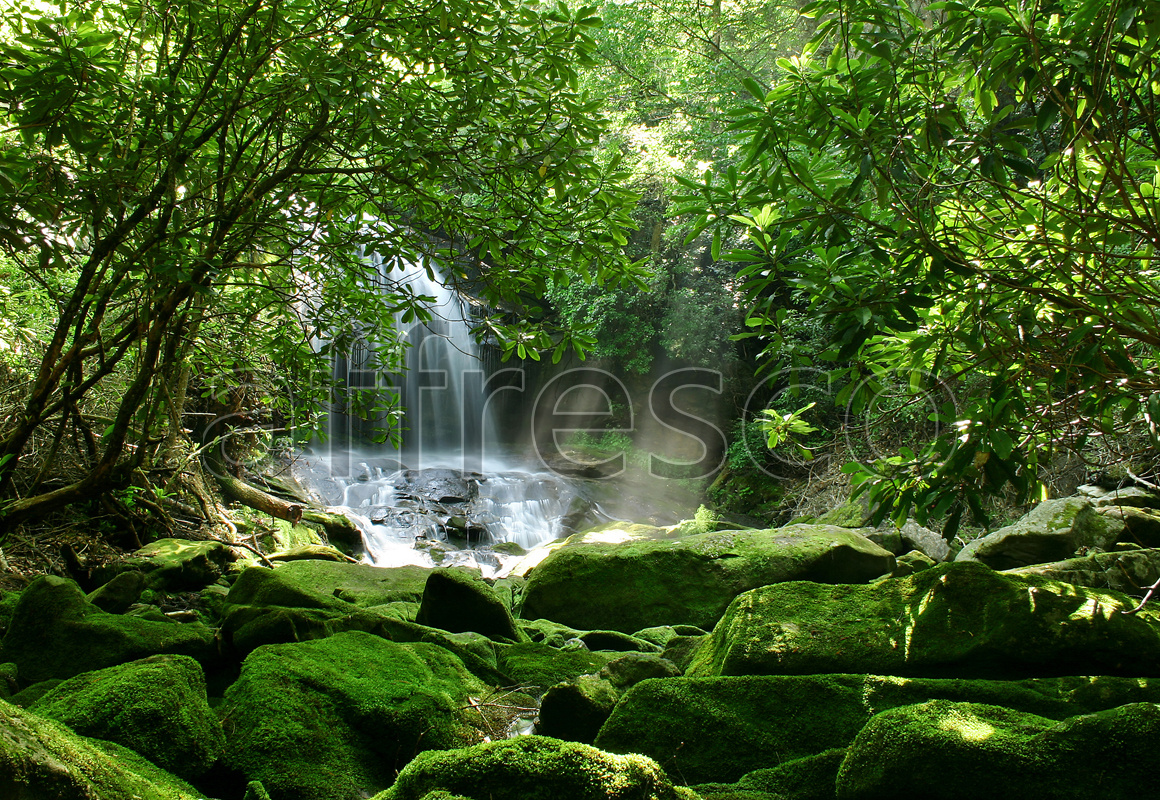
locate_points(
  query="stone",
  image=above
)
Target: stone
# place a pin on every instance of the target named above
(1128, 571)
(1141, 525)
(720, 729)
(533, 768)
(340, 716)
(179, 565)
(912, 562)
(119, 593)
(632, 668)
(41, 759)
(1129, 496)
(680, 650)
(326, 584)
(155, 706)
(457, 601)
(57, 633)
(615, 640)
(574, 710)
(960, 618)
(925, 541)
(809, 778)
(1053, 531)
(943, 750)
(536, 667)
(311, 552)
(618, 580)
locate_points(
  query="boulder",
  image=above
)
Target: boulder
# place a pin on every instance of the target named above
(41, 759)
(574, 710)
(809, 778)
(1128, 497)
(156, 706)
(632, 581)
(1128, 571)
(943, 750)
(719, 729)
(337, 718)
(1054, 530)
(178, 565)
(924, 540)
(327, 584)
(536, 667)
(57, 633)
(912, 562)
(632, 668)
(961, 619)
(1141, 525)
(119, 593)
(458, 601)
(533, 768)
(311, 552)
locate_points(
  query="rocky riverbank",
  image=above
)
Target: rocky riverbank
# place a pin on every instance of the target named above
(630, 661)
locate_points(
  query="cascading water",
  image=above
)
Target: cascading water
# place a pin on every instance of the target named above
(447, 495)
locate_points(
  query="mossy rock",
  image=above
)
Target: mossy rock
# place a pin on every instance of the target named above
(539, 666)
(961, 619)
(809, 778)
(574, 710)
(1052, 531)
(156, 706)
(459, 601)
(41, 759)
(626, 584)
(335, 719)
(944, 750)
(1122, 571)
(719, 729)
(119, 593)
(177, 565)
(57, 633)
(534, 768)
(328, 584)
(310, 552)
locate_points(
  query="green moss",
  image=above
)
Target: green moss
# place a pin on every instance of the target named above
(539, 666)
(954, 619)
(43, 760)
(327, 584)
(336, 717)
(26, 697)
(458, 601)
(156, 706)
(176, 564)
(620, 581)
(809, 778)
(574, 710)
(57, 633)
(533, 768)
(719, 729)
(945, 751)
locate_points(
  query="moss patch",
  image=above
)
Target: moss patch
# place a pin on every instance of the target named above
(339, 716)
(156, 706)
(538, 666)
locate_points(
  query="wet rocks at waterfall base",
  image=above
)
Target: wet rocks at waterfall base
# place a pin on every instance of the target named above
(647, 662)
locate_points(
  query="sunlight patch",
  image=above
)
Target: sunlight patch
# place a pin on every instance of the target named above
(970, 727)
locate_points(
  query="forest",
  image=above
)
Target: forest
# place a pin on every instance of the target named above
(445, 399)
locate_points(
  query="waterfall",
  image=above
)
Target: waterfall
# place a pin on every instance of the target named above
(447, 494)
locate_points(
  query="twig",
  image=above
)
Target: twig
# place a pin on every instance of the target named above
(1151, 590)
(1141, 481)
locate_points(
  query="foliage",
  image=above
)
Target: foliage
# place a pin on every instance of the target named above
(965, 190)
(191, 184)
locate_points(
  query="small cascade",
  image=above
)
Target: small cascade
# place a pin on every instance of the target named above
(445, 496)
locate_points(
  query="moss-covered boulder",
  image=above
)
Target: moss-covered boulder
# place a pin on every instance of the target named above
(809, 778)
(328, 584)
(459, 601)
(719, 729)
(575, 710)
(1121, 571)
(961, 619)
(335, 719)
(533, 768)
(1053, 531)
(41, 759)
(943, 750)
(57, 633)
(539, 666)
(156, 706)
(627, 582)
(176, 565)
(119, 593)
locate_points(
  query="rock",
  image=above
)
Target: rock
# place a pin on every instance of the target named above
(719, 729)
(809, 778)
(1052, 531)
(311, 552)
(912, 562)
(156, 706)
(338, 717)
(1141, 525)
(959, 618)
(925, 541)
(853, 513)
(944, 750)
(615, 640)
(8, 680)
(635, 582)
(509, 549)
(438, 485)
(661, 634)
(574, 710)
(547, 632)
(538, 666)
(43, 760)
(1130, 496)
(1129, 571)
(177, 565)
(57, 633)
(119, 593)
(533, 767)
(325, 584)
(680, 650)
(632, 668)
(458, 601)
